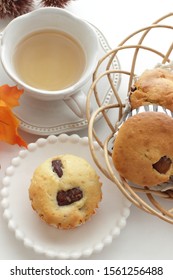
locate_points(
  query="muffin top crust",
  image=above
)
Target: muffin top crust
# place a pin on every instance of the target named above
(143, 149)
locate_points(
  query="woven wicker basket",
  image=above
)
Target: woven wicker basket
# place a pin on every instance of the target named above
(142, 51)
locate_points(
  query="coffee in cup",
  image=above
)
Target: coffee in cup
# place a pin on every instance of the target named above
(51, 54)
(49, 60)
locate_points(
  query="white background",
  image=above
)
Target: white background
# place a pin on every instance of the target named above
(145, 236)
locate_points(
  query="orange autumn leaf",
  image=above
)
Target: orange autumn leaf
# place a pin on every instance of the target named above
(8, 126)
(10, 95)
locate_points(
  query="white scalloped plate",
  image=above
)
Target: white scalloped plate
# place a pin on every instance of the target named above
(89, 238)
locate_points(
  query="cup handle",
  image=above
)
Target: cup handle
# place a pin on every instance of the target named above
(77, 103)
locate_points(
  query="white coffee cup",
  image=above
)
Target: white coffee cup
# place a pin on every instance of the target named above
(63, 21)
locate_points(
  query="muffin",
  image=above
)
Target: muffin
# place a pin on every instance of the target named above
(143, 150)
(153, 87)
(65, 191)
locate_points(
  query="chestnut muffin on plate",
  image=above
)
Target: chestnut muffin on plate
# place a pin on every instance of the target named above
(143, 149)
(65, 191)
(153, 87)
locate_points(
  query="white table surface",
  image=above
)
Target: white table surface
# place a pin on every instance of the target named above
(145, 236)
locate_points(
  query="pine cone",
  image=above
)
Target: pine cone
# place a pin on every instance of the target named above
(55, 3)
(14, 8)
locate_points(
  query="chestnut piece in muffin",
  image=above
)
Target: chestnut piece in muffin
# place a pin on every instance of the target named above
(143, 149)
(153, 87)
(65, 191)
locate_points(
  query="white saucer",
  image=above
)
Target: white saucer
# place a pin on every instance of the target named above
(54, 117)
(82, 241)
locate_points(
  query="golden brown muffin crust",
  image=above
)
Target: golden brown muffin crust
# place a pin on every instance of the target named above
(153, 87)
(142, 141)
(69, 198)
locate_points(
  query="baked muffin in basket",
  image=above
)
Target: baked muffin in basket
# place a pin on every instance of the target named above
(143, 149)
(154, 86)
(65, 191)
